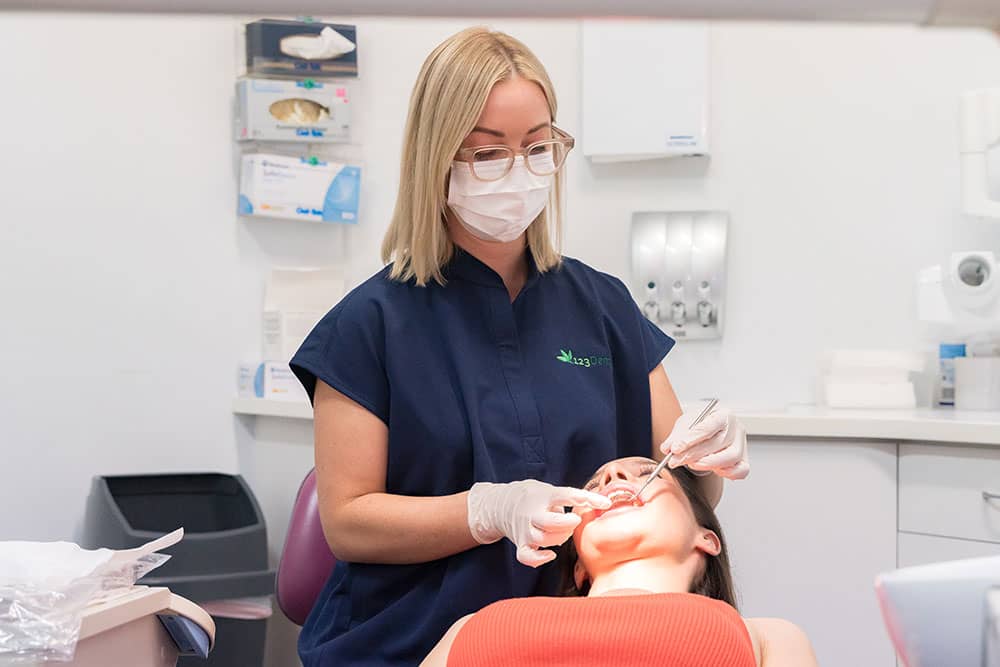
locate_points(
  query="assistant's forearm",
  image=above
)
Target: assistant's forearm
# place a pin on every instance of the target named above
(392, 529)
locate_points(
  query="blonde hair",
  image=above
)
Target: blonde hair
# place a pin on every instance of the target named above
(447, 100)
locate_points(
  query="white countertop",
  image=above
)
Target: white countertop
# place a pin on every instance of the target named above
(797, 421)
(920, 424)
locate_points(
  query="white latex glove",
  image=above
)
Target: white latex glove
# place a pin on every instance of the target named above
(529, 513)
(718, 444)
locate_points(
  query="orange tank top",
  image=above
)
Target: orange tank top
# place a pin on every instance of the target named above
(675, 629)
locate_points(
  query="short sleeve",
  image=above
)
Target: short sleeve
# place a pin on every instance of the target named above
(346, 350)
(655, 343)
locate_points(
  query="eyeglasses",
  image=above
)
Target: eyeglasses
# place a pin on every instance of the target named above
(542, 158)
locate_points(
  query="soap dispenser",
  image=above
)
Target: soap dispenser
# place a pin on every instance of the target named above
(678, 310)
(705, 304)
(651, 306)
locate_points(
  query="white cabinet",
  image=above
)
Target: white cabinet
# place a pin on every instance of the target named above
(808, 531)
(941, 491)
(923, 549)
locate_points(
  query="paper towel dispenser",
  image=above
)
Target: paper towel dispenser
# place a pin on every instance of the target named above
(644, 90)
(980, 152)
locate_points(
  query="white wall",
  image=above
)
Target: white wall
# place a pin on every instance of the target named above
(130, 289)
(119, 258)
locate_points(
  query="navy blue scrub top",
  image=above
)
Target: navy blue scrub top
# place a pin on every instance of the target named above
(474, 388)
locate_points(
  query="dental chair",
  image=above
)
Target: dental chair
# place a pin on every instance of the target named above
(944, 614)
(306, 559)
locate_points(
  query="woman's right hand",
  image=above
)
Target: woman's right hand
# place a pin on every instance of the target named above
(529, 513)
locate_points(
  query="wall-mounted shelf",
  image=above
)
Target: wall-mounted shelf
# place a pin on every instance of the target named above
(268, 408)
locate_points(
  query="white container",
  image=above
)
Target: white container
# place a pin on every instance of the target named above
(977, 383)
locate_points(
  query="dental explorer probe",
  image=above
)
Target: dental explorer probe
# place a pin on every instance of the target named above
(666, 459)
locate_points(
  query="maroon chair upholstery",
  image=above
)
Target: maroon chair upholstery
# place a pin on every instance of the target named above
(306, 560)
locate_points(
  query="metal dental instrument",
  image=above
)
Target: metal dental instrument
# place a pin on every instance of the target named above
(666, 459)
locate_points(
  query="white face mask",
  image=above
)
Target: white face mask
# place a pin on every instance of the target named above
(497, 210)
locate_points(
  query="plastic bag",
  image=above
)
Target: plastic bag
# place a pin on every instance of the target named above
(39, 623)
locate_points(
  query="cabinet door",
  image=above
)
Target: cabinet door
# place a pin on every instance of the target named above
(808, 531)
(942, 487)
(924, 549)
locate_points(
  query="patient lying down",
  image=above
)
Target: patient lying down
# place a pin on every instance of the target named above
(647, 583)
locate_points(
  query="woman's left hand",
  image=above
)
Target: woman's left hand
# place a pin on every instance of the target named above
(718, 444)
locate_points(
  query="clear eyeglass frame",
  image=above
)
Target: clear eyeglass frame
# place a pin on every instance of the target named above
(558, 146)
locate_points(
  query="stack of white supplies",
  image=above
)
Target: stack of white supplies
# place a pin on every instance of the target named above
(870, 378)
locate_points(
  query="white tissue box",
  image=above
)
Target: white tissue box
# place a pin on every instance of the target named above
(306, 110)
(299, 188)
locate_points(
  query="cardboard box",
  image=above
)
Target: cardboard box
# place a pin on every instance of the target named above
(299, 188)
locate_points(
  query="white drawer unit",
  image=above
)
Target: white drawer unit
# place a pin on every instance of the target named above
(808, 532)
(950, 491)
(924, 549)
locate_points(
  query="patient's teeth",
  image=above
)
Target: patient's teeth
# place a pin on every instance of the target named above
(620, 495)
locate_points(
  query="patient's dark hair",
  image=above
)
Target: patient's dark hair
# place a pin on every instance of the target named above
(714, 581)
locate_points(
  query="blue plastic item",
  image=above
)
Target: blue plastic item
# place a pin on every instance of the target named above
(190, 638)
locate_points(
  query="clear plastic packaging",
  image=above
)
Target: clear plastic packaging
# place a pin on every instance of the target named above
(43, 624)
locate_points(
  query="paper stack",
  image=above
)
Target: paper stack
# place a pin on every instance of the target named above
(870, 378)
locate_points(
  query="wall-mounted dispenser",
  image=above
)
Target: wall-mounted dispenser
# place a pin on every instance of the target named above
(678, 270)
(644, 89)
(980, 148)
(962, 294)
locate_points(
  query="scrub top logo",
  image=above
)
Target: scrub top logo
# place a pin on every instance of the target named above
(566, 356)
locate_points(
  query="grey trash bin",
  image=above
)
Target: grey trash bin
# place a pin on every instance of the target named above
(223, 554)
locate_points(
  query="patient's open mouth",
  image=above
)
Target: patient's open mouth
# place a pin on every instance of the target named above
(621, 495)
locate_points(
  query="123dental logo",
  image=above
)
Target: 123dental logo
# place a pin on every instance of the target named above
(566, 356)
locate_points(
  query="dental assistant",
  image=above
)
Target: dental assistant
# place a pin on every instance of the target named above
(458, 389)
